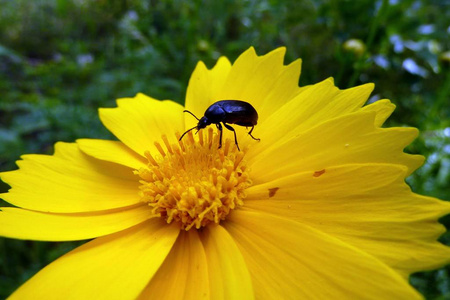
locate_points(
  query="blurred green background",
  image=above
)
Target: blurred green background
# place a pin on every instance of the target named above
(61, 60)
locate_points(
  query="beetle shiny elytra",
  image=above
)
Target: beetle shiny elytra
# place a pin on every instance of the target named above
(227, 111)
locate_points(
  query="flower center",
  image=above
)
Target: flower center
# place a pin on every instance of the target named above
(192, 182)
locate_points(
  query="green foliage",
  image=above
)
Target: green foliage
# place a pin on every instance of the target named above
(61, 60)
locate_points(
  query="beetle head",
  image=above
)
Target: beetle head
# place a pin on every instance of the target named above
(203, 122)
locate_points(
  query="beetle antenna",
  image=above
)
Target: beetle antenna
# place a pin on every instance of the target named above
(187, 131)
(191, 114)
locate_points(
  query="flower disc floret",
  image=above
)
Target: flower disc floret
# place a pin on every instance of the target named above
(193, 183)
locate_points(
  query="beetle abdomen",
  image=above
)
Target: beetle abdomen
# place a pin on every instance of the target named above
(238, 112)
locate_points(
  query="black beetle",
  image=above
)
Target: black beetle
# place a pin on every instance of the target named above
(227, 111)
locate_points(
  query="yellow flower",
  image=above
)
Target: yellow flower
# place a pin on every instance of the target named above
(317, 209)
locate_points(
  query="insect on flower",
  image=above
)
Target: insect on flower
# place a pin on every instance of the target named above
(228, 111)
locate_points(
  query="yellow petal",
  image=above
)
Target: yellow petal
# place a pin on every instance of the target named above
(333, 182)
(285, 86)
(313, 106)
(289, 260)
(29, 225)
(140, 121)
(401, 231)
(118, 266)
(281, 90)
(204, 87)
(257, 79)
(383, 109)
(184, 273)
(70, 181)
(263, 81)
(352, 138)
(112, 151)
(228, 274)
(367, 206)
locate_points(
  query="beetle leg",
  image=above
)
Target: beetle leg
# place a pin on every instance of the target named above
(220, 134)
(250, 133)
(232, 129)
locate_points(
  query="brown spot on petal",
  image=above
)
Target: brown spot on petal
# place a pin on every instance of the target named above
(273, 191)
(318, 173)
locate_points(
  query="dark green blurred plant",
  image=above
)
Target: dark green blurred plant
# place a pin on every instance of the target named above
(62, 59)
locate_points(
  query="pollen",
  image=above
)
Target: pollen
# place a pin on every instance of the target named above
(193, 182)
